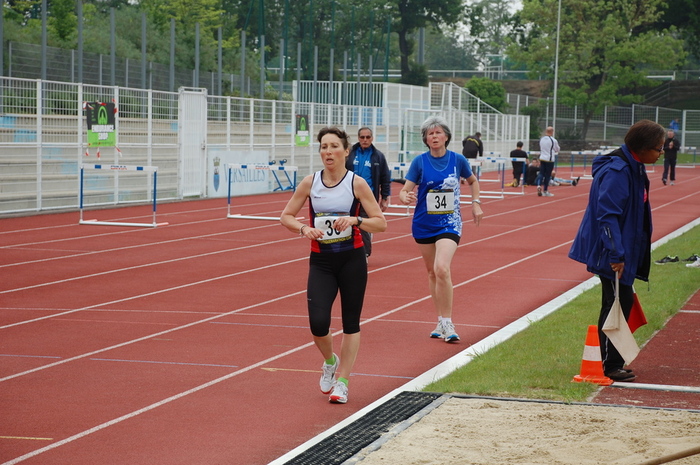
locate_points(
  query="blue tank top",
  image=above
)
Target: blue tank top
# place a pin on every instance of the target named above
(437, 208)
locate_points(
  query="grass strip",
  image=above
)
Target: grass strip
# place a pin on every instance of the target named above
(540, 361)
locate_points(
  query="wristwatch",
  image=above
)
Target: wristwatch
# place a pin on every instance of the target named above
(359, 221)
(476, 201)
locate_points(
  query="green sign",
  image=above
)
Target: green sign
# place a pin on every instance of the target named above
(101, 120)
(302, 136)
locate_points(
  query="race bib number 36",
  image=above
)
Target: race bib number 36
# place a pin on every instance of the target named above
(326, 223)
(440, 201)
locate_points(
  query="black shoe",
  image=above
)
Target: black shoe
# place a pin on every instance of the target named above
(575, 181)
(667, 259)
(692, 258)
(626, 376)
(663, 181)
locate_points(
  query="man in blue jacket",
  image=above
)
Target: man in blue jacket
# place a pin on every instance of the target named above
(370, 163)
(615, 234)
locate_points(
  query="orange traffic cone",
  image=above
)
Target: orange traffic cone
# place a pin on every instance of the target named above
(592, 364)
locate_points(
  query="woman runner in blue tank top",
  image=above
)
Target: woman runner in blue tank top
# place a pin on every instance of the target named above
(437, 220)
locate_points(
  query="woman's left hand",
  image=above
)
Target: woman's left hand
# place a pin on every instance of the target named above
(477, 213)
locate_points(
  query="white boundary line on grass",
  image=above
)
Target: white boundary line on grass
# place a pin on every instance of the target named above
(461, 359)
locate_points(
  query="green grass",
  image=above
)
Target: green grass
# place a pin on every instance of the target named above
(540, 362)
(686, 158)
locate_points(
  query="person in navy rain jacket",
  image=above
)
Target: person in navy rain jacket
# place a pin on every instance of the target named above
(615, 234)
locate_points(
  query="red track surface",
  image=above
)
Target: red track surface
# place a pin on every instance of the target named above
(188, 343)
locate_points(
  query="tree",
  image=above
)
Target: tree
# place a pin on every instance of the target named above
(489, 23)
(605, 48)
(63, 20)
(685, 16)
(490, 92)
(411, 15)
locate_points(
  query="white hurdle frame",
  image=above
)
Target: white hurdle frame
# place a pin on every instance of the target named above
(399, 167)
(151, 169)
(256, 166)
(486, 194)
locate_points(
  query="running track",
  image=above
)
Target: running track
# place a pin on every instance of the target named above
(188, 343)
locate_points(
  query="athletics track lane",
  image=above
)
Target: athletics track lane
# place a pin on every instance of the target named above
(189, 343)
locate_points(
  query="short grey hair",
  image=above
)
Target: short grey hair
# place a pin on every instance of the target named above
(433, 122)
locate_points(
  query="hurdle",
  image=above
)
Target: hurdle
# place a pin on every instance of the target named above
(500, 168)
(399, 167)
(259, 166)
(118, 168)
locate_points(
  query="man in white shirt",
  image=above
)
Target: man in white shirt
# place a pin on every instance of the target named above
(549, 149)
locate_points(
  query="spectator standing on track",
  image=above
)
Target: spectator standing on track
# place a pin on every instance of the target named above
(472, 146)
(370, 163)
(519, 167)
(671, 147)
(337, 262)
(614, 237)
(549, 149)
(437, 220)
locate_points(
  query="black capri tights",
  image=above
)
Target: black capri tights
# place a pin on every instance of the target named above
(332, 272)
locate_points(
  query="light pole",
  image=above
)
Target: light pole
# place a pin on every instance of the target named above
(556, 68)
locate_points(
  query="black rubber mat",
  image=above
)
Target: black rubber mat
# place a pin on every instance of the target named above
(353, 438)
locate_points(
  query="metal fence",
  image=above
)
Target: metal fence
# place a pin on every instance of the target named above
(611, 125)
(43, 137)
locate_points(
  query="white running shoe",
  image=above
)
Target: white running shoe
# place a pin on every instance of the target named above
(339, 394)
(449, 332)
(695, 264)
(438, 331)
(547, 194)
(328, 377)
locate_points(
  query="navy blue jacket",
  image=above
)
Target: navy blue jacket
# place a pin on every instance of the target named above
(616, 226)
(381, 176)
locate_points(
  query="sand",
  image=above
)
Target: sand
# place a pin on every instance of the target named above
(486, 431)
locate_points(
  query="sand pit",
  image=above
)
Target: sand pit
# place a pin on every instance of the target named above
(492, 431)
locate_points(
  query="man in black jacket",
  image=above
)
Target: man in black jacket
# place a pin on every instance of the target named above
(472, 146)
(370, 163)
(671, 147)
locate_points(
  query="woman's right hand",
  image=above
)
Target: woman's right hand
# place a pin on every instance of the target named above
(407, 197)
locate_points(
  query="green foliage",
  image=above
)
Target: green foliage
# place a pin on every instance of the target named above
(417, 75)
(491, 92)
(535, 113)
(601, 47)
(63, 20)
(541, 361)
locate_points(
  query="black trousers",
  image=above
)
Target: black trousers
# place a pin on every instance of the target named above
(330, 273)
(612, 360)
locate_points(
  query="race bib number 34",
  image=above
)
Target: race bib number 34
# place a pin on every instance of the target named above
(326, 223)
(440, 201)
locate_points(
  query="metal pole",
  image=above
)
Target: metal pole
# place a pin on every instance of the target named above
(242, 63)
(556, 68)
(80, 41)
(172, 55)
(44, 35)
(282, 66)
(112, 49)
(196, 55)
(144, 85)
(262, 66)
(219, 64)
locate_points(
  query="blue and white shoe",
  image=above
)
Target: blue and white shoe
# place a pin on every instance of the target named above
(328, 376)
(438, 331)
(448, 329)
